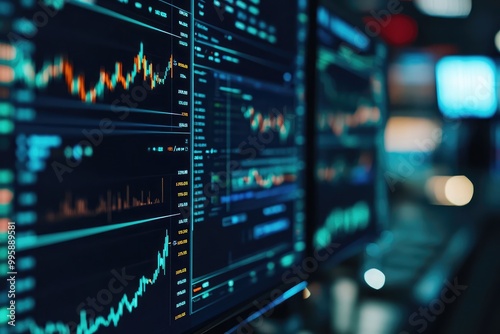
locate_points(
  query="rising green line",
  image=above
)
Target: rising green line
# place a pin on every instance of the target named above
(114, 315)
(36, 241)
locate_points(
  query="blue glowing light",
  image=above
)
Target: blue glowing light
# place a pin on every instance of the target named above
(466, 87)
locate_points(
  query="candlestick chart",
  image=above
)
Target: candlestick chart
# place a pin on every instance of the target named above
(342, 123)
(347, 111)
(271, 122)
(89, 72)
(263, 178)
(62, 68)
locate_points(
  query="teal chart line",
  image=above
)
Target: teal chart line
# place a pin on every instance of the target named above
(114, 315)
(35, 241)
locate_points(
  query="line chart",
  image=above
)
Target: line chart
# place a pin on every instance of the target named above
(114, 315)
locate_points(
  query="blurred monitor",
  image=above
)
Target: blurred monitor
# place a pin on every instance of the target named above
(466, 86)
(412, 80)
(349, 118)
(410, 145)
(152, 162)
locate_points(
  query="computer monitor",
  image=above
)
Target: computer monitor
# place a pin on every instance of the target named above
(411, 80)
(350, 201)
(155, 158)
(466, 87)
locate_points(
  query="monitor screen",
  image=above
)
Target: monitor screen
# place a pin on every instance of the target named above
(349, 119)
(412, 80)
(466, 87)
(154, 179)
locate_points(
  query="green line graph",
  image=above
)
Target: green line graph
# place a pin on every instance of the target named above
(114, 315)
